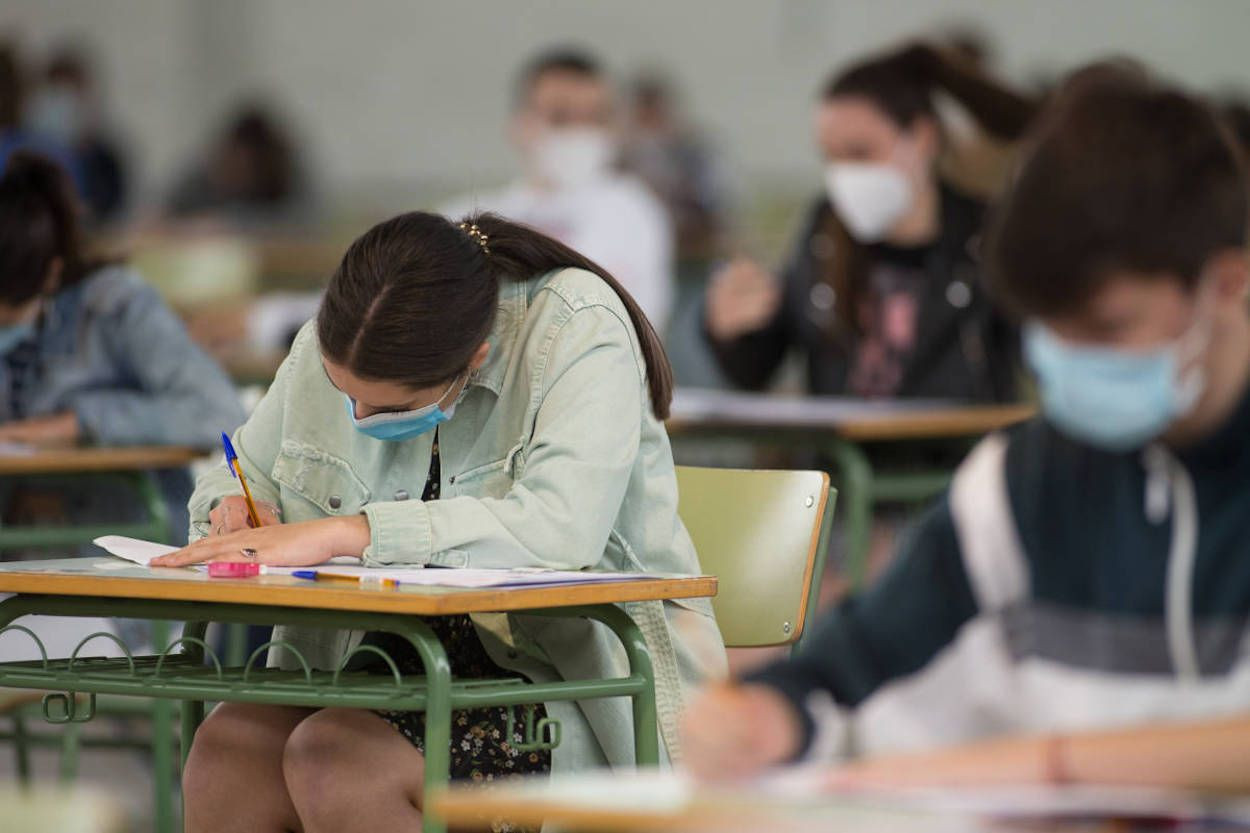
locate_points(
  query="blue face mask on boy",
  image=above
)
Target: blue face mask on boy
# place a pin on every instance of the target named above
(403, 425)
(1111, 398)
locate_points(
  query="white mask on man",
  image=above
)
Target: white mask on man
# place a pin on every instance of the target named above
(869, 197)
(569, 157)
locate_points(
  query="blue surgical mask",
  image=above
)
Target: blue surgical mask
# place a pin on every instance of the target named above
(12, 335)
(1112, 398)
(403, 425)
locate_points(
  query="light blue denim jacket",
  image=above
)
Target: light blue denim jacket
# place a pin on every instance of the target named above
(552, 459)
(114, 354)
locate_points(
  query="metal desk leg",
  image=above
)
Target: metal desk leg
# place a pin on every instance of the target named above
(192, 716)
(191, 713)
(21, 744)
(158, 512)
(855, 502)
(646, 724)
(236, 643)
(437, 715)
(71, 746)
(163, 784)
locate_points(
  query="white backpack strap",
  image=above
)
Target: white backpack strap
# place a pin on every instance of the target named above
(986, 528)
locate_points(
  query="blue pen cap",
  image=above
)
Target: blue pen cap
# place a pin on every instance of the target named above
(230, 455)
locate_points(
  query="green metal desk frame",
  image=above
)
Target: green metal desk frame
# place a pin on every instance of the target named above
(145, 487)
(863, 487)
(161, 713)
(189, 671)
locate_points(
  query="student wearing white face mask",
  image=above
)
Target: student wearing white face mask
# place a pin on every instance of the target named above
(564, 131)
(881, 292)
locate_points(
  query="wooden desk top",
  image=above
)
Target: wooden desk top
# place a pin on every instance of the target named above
(97, 459)
(706, 411)
(604, 802)
(114, 578)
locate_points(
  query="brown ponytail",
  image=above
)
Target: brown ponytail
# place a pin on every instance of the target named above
(902, 84)
(39, 221)
(416, 295)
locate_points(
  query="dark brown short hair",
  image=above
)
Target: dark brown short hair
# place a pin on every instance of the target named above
(1121, 174)
(39, 221)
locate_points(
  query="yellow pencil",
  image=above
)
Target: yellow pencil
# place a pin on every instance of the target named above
(232, 460)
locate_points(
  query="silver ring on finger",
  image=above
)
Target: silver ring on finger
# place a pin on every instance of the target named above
(248, 553)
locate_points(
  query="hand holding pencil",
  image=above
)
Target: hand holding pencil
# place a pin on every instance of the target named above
(237, 512)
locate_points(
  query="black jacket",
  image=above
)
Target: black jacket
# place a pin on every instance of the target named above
(964, 349)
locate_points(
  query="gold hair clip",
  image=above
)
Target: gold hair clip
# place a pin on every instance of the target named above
(477, 234)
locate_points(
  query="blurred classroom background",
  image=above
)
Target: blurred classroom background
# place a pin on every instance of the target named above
(236, 146)
(233, 148)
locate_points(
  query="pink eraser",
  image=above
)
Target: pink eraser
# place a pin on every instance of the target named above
(233, 569)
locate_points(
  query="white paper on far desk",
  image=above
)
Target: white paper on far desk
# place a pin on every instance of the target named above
(10, 449)
(1021, 803)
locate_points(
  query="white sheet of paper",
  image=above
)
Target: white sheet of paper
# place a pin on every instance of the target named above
(133, 549)
(142, 552)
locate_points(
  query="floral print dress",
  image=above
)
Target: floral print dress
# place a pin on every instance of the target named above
(483, 746)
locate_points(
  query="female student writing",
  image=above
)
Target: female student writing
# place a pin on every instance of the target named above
(881, 291)
(475, 395)
(89, 353)
(1088, 570)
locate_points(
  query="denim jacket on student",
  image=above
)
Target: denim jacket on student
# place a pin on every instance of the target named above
(552, 459)
(112, 352)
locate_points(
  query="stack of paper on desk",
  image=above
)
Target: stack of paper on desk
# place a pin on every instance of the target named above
(142, 552)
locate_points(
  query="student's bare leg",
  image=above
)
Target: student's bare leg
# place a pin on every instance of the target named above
(349, 770)
(233, 780)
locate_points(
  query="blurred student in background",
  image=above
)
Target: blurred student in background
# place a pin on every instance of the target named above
(66, 107)
(564, 127)
(15, 131)
(249, 177)
(881, 293)
(664, 150)
(89, 353)
(1089, 569)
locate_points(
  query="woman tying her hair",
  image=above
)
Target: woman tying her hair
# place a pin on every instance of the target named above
(881, 293)
(477, 396)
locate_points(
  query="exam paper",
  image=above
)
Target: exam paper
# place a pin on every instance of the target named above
(142, 552)
(133, 549)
